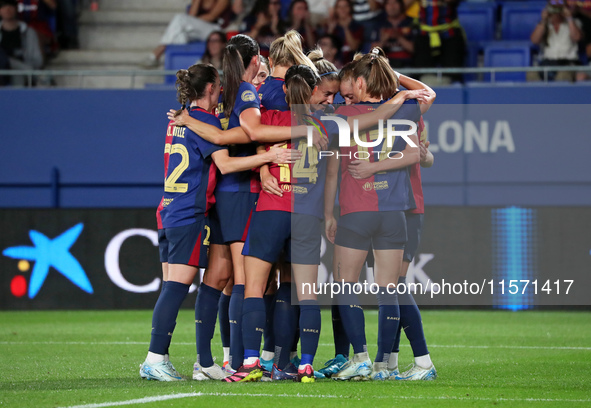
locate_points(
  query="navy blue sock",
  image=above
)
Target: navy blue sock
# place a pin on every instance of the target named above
(285, 324)
(165, 313)
(410, 320)
(224, 318)
(170, 337)
(206, 310)
(253, 325)
(296, 337)
(352, 313)
(388, 322)
(235, 318)
(341, 341)
(269, 334)
(310, 324)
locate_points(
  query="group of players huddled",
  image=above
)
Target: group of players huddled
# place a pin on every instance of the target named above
(245, 195)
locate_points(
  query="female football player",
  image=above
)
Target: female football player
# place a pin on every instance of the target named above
(372, 214)
(183, 230)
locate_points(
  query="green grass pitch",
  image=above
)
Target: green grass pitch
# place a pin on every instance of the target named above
(483, 358)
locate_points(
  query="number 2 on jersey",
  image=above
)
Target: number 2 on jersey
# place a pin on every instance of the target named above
(170, 184)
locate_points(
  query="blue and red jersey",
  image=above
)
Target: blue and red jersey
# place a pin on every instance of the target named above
(384, 191)
(244, 181)
(190, 174)
(438, 12)
(302, 182)
(272, 95)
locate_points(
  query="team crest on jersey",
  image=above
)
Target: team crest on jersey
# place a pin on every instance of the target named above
(248, 96)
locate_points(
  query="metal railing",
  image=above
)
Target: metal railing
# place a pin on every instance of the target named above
(133, 74)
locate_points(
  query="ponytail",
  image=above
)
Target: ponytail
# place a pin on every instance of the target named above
(191, 83)
(300, 81)
(326, 69)
(374, 67)
(287, 51)
(236, 58)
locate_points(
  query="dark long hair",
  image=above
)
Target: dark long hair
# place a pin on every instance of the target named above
(300, 81)
(237, 56)
(191, 83)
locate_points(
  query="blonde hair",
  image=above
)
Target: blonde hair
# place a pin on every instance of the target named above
(374, 67)
(287, 51)
(326, 69)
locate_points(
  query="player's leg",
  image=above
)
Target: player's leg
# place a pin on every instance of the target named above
(184, 250)
(236, 304)
(224, 319)
(285, 324)
(268, 354)
(309, 319)
(347, 267)
(215, 279)
(389, 246)
(410, 316)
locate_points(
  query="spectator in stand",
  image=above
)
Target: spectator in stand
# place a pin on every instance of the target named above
(330, 46)
(440, 40)
(202, 17)
(214, 48)
(265, 24)
(582, 12)
(393, 32)
(67, 24)
(38, 14)
(298, 19)
(558, 33)
(19, 44)
(365, 12)
(342, 25)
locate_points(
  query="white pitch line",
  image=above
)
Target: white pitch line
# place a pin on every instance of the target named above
(298, 395)
(144, 343)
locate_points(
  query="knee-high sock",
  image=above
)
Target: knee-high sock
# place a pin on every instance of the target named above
(253, 325)
(235, 317)
(224, 318)
(284, 324)
(206, 310)
(310, 324)
(388, 322)
(170, 337)
(165, 313)
(341, 341)
(352, 317)
(269, 334)
(410, 320)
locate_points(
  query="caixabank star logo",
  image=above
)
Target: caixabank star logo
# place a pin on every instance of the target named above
(47, 253)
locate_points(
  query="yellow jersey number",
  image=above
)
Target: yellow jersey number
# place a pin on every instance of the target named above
(300, 170)
(170, 184)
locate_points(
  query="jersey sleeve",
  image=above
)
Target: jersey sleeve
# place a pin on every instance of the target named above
(207, 148)
(247, 98)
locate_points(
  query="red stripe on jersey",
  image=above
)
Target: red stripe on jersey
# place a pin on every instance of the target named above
(415, 176)
(435, 19)
(196, 254)
(211, 182)
(245, 233)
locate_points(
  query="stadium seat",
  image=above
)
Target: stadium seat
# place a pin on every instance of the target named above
(507, 54)
(181, 57)
(518, 19)
(478, 20)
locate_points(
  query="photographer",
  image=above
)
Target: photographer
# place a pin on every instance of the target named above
(558, 33)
